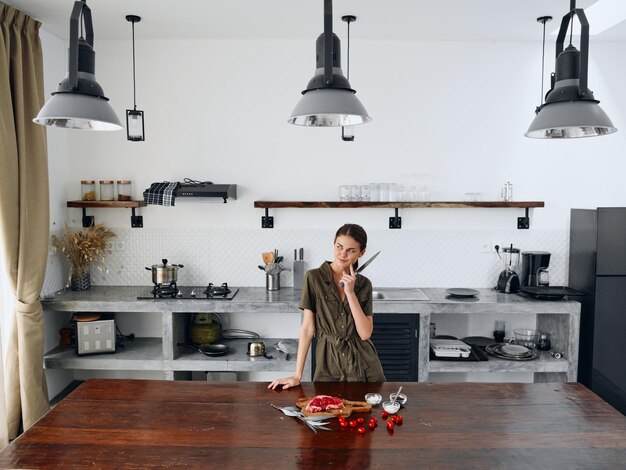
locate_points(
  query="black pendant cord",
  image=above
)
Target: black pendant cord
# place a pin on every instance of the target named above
(572, 7)
(348, 54)
(134, 89)
(543, 20)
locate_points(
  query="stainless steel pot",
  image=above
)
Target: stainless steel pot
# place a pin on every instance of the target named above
(164, 273)
(257, 348)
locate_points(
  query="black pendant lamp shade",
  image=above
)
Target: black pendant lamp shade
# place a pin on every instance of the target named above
(135, 131)
(570, 109)
(79, 102)
(328, 100)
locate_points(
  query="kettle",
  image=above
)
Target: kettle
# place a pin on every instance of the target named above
(508, 282)
(257, 348)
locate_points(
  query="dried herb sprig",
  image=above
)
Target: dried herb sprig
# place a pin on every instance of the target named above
(84, 248)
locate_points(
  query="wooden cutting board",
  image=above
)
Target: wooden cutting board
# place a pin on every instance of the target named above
(349, 407)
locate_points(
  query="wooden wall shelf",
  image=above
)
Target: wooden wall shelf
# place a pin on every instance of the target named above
(136, 221)
(267, 221)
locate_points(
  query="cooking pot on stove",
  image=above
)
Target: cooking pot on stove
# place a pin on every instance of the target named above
(164, 274)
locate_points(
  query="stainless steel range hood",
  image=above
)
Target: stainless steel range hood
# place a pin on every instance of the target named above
(206, 192)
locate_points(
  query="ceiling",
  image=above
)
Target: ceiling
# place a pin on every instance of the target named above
(442, 20)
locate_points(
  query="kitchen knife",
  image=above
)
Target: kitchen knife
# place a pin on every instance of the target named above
(365, 265)
(301, 254)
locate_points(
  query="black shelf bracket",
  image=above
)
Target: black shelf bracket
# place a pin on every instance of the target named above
(136, 221)
(88, 220)
(523, 223)
(267, 221)
(395, 222)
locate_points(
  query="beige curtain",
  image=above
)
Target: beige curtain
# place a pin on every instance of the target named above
(24, 214)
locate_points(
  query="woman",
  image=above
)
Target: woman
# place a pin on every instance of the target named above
(340, 317)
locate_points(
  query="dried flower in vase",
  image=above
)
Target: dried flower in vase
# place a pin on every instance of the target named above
(84, 248)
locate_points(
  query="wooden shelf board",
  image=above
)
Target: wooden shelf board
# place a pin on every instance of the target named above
(397, 204)
(126, 204)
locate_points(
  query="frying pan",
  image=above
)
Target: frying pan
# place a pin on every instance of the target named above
(212, 350)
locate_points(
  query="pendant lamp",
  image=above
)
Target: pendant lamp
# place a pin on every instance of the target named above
(134, 118)
(570, 109)
(79, 102)
(347, 132)
(328, 100)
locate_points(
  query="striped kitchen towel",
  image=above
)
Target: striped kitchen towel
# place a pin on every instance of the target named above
(161, 194)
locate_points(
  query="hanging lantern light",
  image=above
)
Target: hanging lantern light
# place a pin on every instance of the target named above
(134, 117)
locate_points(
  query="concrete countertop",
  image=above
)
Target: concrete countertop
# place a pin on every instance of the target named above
(258, 299)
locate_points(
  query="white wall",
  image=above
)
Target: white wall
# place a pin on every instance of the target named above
(457, 112)
(216, 110)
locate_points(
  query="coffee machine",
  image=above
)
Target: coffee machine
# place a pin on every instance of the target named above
(535, 268)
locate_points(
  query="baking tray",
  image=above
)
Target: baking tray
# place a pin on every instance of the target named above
(550, 292)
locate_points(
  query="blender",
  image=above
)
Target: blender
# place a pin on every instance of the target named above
(508, 281)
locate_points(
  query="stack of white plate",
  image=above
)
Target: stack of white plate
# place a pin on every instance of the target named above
(513, 352)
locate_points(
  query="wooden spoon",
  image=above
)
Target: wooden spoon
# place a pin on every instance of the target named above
(268, 257)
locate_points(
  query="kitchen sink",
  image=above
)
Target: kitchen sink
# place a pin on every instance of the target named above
(410, 294)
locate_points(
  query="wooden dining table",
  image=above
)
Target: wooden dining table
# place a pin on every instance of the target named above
(176, 424)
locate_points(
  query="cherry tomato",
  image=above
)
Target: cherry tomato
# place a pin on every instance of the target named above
(361, 430)
(342, 419)
(399, 419)
(360, 420)
(353, 423)
(385, 414)
(374, 419)
(372, 425)
(343, 424)
(390, 425)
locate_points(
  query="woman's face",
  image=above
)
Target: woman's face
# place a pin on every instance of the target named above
(347, 251)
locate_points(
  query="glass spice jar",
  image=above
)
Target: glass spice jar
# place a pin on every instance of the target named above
(106, 190)
(88, 190)
(124, 190)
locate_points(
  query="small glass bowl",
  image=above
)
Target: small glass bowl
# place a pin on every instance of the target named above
(391, 407)
(401, 398)
(373, 398)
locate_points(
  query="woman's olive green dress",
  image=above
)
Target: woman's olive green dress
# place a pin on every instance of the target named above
(340, 355)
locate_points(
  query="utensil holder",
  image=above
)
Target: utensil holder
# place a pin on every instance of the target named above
(272, 281)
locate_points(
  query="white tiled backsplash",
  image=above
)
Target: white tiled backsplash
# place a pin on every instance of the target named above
(409, 258)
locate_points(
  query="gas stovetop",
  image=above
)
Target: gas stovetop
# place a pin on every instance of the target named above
(172, 291)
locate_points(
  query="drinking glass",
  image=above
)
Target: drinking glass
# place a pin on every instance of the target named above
(344, 192)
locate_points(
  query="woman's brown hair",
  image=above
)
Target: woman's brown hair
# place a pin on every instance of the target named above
(355, 231)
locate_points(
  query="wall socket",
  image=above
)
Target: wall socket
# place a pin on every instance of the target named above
(118, 245)
(488, 247)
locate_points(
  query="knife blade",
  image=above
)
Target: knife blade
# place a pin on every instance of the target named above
(365, 265)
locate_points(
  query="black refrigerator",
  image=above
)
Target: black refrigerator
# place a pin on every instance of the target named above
(597, 266)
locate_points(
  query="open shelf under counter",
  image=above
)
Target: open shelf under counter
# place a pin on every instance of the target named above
(544, 363)
(138, 354)
(236, 360)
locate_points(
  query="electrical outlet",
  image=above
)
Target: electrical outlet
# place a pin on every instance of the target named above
(120, 245)
(488, 247)
(110, 246)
